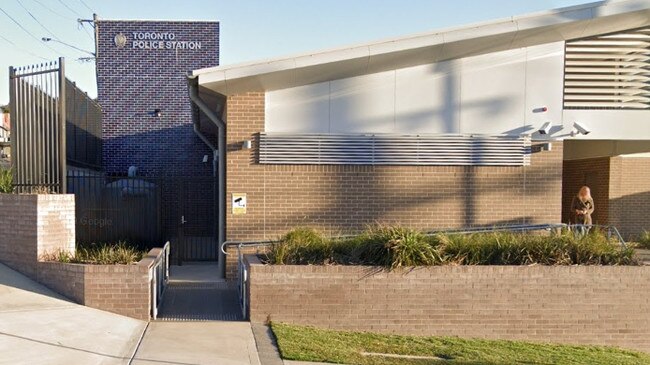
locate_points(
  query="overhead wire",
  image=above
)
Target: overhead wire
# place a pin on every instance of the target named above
(35, 19)
(69, 8)
(83, 26)
(86, 5)
(27, 31)
(52, 11)
(21, 49)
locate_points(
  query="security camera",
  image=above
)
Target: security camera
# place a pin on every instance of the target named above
(581, 128)
(545, 128)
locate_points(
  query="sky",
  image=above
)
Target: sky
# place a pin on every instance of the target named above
(250, 29)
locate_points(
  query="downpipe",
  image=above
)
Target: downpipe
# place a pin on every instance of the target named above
(221, 170)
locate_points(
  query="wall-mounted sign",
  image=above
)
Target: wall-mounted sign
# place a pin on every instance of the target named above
(154, 40)
(238, 203)
(120, 40)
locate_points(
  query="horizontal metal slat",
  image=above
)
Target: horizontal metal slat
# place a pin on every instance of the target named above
(608, 71)
(393, 149)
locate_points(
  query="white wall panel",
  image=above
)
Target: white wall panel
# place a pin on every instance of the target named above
(609, 124)
(427, 99)
(492, 93)
(303, 109)
(544, 83)
(364, 104)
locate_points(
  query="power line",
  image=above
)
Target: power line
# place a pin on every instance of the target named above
(69, 8)
(20, 49)
(83, 26)
(26, 31)
(86, 5)
(52, 11)
(36, 20)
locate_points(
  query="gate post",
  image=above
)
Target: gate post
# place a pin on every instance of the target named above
(13, 122)
(62, 137)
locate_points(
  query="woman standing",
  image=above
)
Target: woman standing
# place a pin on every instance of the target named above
(583, 206)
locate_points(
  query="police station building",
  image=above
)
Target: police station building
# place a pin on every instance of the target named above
(487, 124)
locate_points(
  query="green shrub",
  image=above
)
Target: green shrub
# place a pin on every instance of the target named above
(301, 246)
(644, 240)
(6, 181)
(394, 247)
(506, 248)
(119, 253)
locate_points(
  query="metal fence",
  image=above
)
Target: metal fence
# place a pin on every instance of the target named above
(83, 128)
(37, 130)
(146, 211)
(53, 123)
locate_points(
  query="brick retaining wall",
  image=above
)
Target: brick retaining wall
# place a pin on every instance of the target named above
(604, 305)
(32, 225)
(121, 289)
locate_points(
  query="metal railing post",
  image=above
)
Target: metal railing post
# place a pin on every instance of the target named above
(63, 170)
(13, 121)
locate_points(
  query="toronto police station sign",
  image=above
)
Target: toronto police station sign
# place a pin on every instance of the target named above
(154, 40)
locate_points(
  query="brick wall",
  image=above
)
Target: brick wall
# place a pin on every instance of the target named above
(33, 225)
(342, 198)
(620, 187)
(593, 172)
(121, 289)
(604, 305)
(630, 195)
(133, 82)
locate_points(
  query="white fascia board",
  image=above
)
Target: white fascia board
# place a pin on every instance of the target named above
(514, 32)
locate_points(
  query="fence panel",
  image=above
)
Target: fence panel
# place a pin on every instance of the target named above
(147, 211)
(53, 123)
(37, 132)
(83, 127)
(111, 209)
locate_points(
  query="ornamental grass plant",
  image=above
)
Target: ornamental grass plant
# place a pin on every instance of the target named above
(393, 247)
(120, 253)
(644, 240)
(6, 181)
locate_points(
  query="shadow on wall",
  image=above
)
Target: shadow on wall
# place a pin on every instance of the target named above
(629, 214)
(341, 199)
(595, 173)
(167, 151)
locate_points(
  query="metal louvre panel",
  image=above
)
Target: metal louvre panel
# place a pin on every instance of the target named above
(393, 149)
(608, 72)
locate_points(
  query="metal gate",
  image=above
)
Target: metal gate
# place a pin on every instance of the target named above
(190, 210)
(38, 137)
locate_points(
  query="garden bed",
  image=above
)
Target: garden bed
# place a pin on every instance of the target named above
(395, 247)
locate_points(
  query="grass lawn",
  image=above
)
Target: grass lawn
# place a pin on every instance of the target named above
(313, 344)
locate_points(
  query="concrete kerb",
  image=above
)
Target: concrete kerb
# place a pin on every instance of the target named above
(267, 348)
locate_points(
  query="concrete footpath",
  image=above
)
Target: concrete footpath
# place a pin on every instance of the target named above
(38, 326)
(210, 342)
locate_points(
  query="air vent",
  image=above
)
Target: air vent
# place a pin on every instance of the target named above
(608, 72)
(393, 149)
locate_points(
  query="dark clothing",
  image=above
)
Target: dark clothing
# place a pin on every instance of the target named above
(586, 206)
